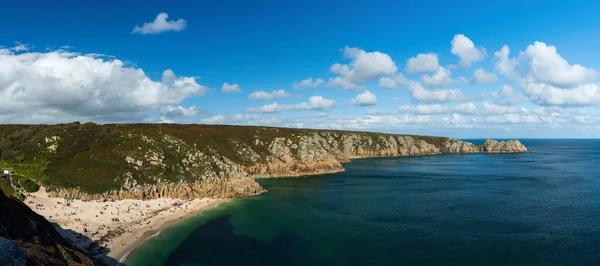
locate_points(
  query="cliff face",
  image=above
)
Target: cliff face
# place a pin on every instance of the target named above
(27, 237)
(143, 161)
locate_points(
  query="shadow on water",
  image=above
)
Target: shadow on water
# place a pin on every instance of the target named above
(215, 243)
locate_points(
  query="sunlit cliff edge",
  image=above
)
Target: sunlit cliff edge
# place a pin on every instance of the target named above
(117, 161)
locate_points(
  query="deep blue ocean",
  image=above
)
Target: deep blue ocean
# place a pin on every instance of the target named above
(538, 208)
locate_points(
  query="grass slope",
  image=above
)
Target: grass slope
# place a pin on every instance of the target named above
(92, 157)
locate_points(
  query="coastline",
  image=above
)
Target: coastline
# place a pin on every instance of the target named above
(120, 254)
(110, 230)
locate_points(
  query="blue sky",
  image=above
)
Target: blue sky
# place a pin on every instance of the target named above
(84, 61)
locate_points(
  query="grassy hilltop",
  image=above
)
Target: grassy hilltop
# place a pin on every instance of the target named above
(100, 158)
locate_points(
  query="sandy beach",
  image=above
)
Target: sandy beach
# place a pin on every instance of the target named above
(110, 228)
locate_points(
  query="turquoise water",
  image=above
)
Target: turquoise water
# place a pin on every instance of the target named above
(538, 208)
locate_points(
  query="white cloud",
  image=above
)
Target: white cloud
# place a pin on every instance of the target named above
(465, 49)
(364, 66)
(513, 119)
(419, 93)
(490, 108)
(430, 109)
(423, 63)
(550, 79)
(20, 47)
(160, 24)
(308, 83)
(218, 119)
(547, 66)
(546, 94)
(344, 84)
(442, 77)
(505, 65)
(507, 96)
(365, 99)
(230, 87)
(314, 103)
(393, 82)
(380, 112)
(482, 77)
(62, 86)
(170, 111)
(263, 95)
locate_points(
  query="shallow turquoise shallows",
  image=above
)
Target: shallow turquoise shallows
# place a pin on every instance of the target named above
(538, 208)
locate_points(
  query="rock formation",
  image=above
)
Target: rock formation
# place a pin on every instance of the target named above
(27, 238)
(187, 161)
(11, 254)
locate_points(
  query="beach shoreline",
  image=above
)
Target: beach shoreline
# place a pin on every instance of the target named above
(120, 254)
(110, 230)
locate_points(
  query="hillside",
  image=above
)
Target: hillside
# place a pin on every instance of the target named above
(173, 160)
(27, 237)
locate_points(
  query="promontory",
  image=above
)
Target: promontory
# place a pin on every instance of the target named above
(118, 161)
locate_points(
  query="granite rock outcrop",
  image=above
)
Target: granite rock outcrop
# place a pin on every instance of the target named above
(92, 161)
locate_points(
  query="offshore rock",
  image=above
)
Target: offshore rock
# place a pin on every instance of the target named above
(511, 146)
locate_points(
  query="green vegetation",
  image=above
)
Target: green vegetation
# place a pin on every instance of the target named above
(6, 187)
(26, 183)
(99, 158)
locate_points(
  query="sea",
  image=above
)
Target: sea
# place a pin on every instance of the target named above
(539, 208)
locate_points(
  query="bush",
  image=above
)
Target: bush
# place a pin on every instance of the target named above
(7, 155)
(28, 185)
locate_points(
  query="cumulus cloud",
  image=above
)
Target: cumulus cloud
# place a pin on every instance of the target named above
(19, 47)
(513, 119)
(230, 87)
(380, 112)
(160, 24)
(314, 103)
(423, 63)
(364, 99)
(490, 108)
(393, 82)
(546, 94)
(170, 111)
(480, 76)
(308, 83)
(549, 67)
(431, 109)
(344, 84)
(420, 93)
(465, 49)
(505, 65)
(263, 95)
(364, 66)
(507, 96)
(61, 86)
(217, 119)
(442, 77)
(549, 78)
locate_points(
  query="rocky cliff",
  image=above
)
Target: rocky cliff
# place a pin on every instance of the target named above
(28, 238)
(169, 160)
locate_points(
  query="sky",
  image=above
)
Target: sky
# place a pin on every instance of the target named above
(465, 69)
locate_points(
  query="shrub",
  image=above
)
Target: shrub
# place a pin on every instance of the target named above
(28, 185)
(7, 155)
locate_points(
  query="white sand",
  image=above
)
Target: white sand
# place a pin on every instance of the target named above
(113, 227)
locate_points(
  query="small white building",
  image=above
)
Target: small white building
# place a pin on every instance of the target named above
(8, 172)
